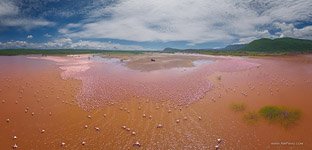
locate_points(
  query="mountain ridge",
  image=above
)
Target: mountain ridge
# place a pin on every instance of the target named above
(262, 45)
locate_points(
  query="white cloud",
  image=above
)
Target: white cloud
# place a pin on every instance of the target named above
(10, 16)
(289, 30)
(195, 21)
(25, 23)
(47, 35)
(15, 44)
(30, 36)
(248, 39)
(103, 45)
(59, 43)
(67, 43)
(7, 8)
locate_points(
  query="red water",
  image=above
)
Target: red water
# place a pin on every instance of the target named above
(41, 87)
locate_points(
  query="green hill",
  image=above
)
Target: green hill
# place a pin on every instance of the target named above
(279, 45)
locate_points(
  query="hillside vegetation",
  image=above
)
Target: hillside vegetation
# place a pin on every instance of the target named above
(264, 46)
(279, 45)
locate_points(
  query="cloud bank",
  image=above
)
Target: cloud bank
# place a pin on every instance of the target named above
(67, 43)
(194, 21)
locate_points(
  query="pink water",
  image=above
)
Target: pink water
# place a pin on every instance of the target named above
(106, 81)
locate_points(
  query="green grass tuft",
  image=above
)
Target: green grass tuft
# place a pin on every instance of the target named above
(283, 115)
(238, 107)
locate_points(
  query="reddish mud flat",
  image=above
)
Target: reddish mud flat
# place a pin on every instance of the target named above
(177, 101)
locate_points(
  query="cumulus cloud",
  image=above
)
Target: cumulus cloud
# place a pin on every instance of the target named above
(14, 44)
(67, 43)
(189, 20)
(289, 30)
(47, 35)
(30, 36)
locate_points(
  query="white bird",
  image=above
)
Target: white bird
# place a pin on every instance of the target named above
(219, 140)
(42, 131)
(14, 137)
(83, 143)
(7, 120)
(86, 126)
(177, 121)
(137, 144)
(15, 146)
(159, 126)
(63, 144)
(97, 128)
(133, 133)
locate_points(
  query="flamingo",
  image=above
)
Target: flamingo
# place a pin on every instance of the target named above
(15, 146)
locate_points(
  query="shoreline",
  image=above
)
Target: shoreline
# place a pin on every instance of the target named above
(15, 52)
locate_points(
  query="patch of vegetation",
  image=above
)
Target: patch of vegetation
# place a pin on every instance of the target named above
(238, 107)
(283, 115)
(251, 117)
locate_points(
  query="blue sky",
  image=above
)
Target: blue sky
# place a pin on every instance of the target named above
(149, 24)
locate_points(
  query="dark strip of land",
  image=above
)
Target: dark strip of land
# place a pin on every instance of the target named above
(261, 47)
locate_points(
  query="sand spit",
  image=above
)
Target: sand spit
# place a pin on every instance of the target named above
(71, 64)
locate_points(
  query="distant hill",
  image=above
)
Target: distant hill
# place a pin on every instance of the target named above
(183, 50)
(234, 47)
(262, 46)
(168, 49)
(279, 45)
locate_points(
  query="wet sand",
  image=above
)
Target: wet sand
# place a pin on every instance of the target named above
(50, 100)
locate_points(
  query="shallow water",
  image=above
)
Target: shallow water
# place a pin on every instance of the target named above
(36, 95)
(107, 80)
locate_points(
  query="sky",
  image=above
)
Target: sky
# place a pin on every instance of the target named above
(149, 24)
